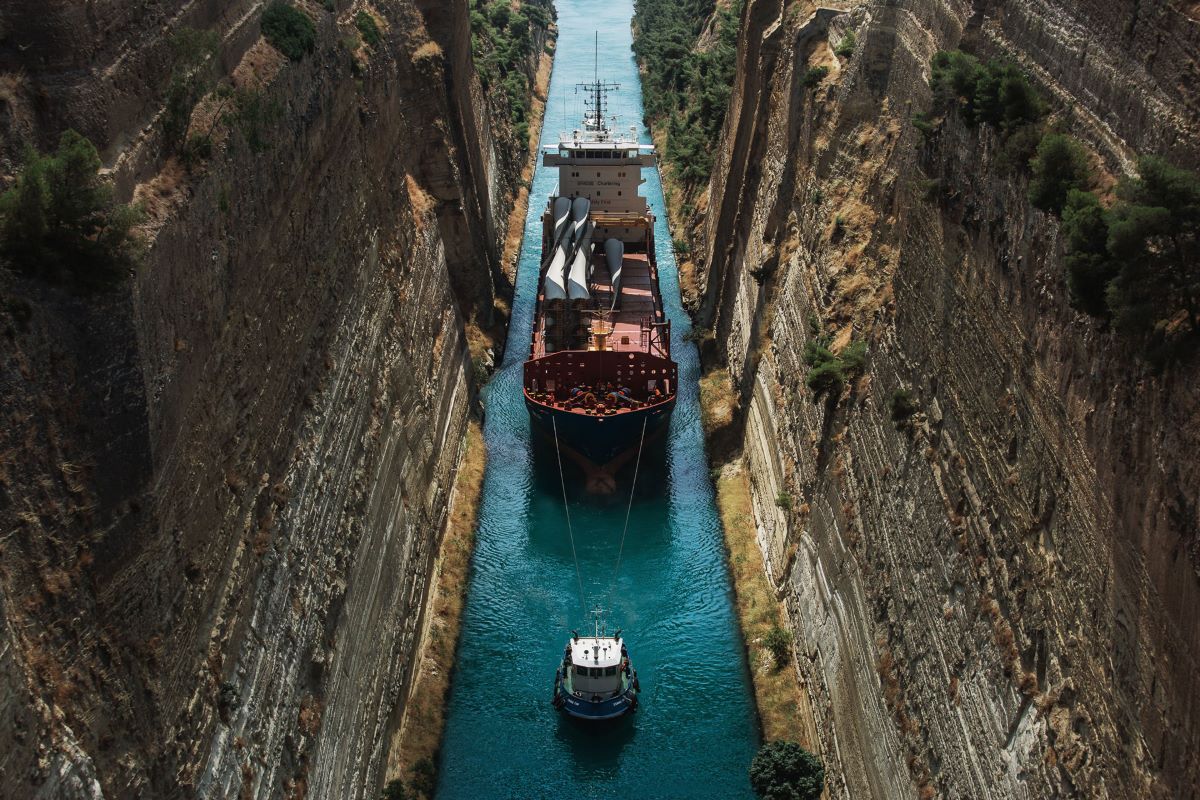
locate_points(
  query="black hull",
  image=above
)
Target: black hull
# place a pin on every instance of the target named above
(601, 441)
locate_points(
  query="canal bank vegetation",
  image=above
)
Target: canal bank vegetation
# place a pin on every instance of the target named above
(412, 771)
(783, 705)
(504, 37)
(687, 55)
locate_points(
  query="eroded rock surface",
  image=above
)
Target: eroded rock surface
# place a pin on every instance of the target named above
(222, 486)
(998, 597)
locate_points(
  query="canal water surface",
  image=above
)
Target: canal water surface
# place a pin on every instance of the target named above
(695, 732)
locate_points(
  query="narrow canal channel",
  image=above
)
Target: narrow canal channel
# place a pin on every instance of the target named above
(695, 732)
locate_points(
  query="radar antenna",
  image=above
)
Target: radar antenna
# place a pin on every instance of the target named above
(596, 97)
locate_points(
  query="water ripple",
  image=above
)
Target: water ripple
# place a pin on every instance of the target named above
(695, 733)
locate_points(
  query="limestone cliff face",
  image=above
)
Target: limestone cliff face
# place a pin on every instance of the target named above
(221, 486)
(999, 599)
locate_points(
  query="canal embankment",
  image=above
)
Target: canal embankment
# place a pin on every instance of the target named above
(413, 751)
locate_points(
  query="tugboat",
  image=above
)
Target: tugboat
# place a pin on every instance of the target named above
(599, 381)
(595, 680)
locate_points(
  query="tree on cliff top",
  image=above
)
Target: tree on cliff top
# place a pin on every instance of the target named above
(59, 217)
(786, 771)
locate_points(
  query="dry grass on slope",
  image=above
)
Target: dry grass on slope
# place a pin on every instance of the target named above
(783, 706)
(420, 733)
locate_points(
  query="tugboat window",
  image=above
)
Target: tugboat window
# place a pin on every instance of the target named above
(610, 670)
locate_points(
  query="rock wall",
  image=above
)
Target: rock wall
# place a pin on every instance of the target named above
(996, 599)
(222, 486)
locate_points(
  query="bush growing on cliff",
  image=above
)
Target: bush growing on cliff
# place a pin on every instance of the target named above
(902, 406)
(289, 30)
(368, 28)
(779, 642)
(845, 47)
(1140, 256)
(1060, 165)
(1154, 234)
(996, 92)
(786, 771)
(814, 75)
(1089, 267)
(59, 217)
(829, 372)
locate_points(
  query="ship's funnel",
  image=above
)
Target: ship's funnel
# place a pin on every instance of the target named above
(614, 252)
(577, 283)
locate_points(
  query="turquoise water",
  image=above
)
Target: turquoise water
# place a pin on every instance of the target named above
(695, 732)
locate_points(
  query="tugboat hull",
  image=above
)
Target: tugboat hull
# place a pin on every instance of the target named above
(611, 708)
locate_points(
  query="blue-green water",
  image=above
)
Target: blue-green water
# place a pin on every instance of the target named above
(695, 732)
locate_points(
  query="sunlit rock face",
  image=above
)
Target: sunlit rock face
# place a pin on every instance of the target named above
(997, 596)
(222, 484)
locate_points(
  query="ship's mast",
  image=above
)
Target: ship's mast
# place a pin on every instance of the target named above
(597, 94)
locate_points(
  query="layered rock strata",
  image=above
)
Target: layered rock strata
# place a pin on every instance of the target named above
(222, 485)
(997, 596)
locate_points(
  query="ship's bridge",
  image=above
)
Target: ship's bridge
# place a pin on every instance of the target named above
(606, 170)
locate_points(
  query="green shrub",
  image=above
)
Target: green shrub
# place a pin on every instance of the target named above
(1089, 267)
(814, 75)
(779, 642)
(854, 358)
(289, 30)
(786, 771)
(783, 500)
(1018, 148)
(845, 48)
(1004, 97)
(996, 93)
(1060, 165)
(1136, 262)
(369, 28)
(395, 791)
(828, 373)
(902, 405)
(59, 218)
(826, 378)
(923, 123)
(1153, 233)
(424, 777)
(953, 77)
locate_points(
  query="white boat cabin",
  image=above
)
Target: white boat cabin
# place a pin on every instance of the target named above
(596, 665)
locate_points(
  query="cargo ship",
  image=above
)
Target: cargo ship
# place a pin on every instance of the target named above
(599, 381)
